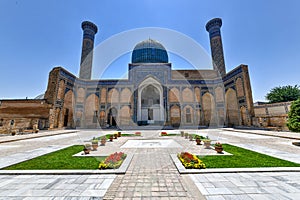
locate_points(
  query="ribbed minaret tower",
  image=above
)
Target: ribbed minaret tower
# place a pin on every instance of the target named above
(89, 31)
(213, 27)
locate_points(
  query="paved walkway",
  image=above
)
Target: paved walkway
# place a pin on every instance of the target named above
(280, 134)
(249, 186)
(8, 138)
(54, 187)
(151, 174)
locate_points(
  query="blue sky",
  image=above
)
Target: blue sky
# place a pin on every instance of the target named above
(39, 35)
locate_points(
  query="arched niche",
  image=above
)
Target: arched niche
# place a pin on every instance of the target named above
(187, 95)
(125, 96)
(232, 114)
(112, 117)
(174, 95)
(208, 107)
(188, 114)
(197, 94)
(91, 105)
(69, 101)
(113, 96)
(125, 115)
(175, 114)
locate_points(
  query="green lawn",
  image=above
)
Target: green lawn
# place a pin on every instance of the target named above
(122, 135)
(62, 159)
(129, 135)
(243, 158)
(170, 134)
(196, 135)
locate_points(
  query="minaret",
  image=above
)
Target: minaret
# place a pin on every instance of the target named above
(213, 27)
(89, 31)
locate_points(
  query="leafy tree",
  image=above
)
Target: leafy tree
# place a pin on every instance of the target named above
(283, 94)
(294, 117)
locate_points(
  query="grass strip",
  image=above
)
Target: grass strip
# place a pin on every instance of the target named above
(62, 159)
(243, 158)
(170, 134)
(122, 135)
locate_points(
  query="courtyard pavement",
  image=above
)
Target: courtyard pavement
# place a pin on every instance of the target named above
(151, 173)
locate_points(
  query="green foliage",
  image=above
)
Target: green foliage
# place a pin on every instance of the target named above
(62, 159)
(244, 158)
(283, 94)
(293, 122)
(170, 134)
(108, 136)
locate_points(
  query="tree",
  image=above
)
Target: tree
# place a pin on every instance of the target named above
(283, 94)
(293, 122)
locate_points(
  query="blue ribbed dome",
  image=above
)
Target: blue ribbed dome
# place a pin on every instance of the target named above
(149, 51)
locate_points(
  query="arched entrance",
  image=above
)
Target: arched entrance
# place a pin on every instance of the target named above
(112, 117)
(150, 103)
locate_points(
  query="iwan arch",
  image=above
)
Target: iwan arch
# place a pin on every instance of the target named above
(153, 94)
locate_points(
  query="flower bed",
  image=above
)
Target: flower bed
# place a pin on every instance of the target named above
(190, 161)
(113, 161)
(164, 133)
(138, 133)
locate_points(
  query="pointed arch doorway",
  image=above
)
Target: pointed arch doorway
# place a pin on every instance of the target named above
(150, 103)
(112, 117)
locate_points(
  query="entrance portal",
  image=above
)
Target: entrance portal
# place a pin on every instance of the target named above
(150, 109)
(112, 117)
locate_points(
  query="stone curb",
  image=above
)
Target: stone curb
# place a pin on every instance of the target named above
(36, 136)
(121, 170)
(182, 169)
(273, 135)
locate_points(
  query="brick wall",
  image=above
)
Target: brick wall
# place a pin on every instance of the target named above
(272, 115)
(23, 113)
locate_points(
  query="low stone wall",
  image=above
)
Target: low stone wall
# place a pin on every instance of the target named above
(23, 114)
(272, 116)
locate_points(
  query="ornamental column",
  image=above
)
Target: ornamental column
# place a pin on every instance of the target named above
(89, 31)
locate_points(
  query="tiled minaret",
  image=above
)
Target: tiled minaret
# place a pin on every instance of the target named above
(89, 31)
(213, 27)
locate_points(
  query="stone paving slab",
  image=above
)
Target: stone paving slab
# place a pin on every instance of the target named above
(30, 187)
(158, 143)
(269, 185)
(152, 175)
(281, 134)
(9, 138)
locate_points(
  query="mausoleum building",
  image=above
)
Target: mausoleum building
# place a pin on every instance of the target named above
(154, 94)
